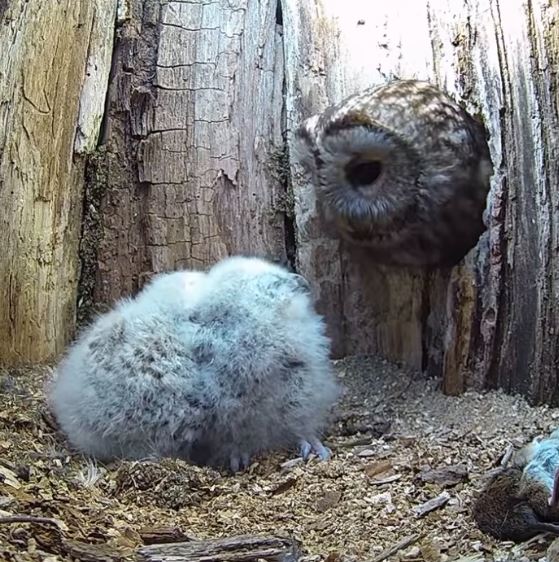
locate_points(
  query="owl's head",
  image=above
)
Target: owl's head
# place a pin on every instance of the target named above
(266, 285)
(257, 274)
(177, 289)
(364, 174)
(400, 169)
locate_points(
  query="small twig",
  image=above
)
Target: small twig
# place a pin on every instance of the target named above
(29, 519)
(407, 541)
(507, 455)
(432, 504)
(387, 480)
(530, 541)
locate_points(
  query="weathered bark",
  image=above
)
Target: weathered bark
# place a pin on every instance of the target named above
(194, 141)
(244, 548)
(493, 320)
(194, 166)
(163, 535)
(53, 69)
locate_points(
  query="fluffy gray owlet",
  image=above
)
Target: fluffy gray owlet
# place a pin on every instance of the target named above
(402, 170)
(211, 367)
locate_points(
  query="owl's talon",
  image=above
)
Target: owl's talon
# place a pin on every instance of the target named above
(324, 453)
(305, 449)
(315, 446)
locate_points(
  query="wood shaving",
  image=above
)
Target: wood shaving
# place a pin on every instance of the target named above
(432, 504)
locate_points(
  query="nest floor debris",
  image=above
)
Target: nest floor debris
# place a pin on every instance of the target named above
(408, 462)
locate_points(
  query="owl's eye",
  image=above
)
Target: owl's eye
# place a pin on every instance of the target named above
(363, 172)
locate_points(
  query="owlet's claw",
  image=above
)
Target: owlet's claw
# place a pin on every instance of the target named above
(315, 446)
(305, 449)
(239, 462)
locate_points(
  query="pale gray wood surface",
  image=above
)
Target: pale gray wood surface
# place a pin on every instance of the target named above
(54, 63)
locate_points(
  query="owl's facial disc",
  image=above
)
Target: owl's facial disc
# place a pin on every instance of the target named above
(367, 181)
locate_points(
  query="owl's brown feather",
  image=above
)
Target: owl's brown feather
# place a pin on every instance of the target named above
(401, 170)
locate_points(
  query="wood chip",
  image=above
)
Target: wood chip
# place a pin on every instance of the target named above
(284, 486)
(432, 504)
(387, 480)
(446, 476)
(328, 500)
(412, 553)
(366, 453)
(430, 550)
(375, 468)
(507, 455)
(9, 477)
(161, 535)
(405, 542)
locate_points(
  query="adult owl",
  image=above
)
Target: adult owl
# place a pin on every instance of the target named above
(402, 170)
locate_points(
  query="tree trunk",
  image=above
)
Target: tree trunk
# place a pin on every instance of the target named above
(54, 58)
(492, 321)
(195, 152)
(194, 165)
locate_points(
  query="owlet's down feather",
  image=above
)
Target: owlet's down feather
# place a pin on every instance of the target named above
(212, 367)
